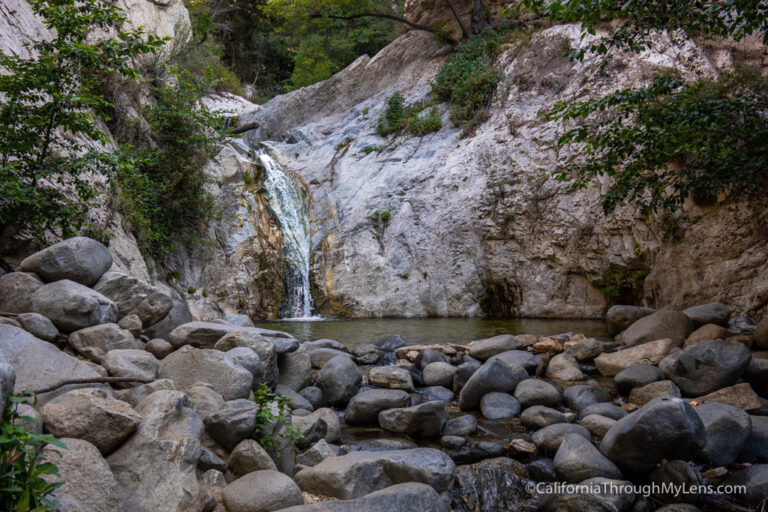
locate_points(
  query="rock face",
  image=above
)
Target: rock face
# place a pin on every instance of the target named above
(134, 296)
(188, 366)
(261, 491)
(666, 323)
(72, 306)
(155, 468)
(708, 366)
(79, 259)
(339, 477)
(664, 428)
(494, 375)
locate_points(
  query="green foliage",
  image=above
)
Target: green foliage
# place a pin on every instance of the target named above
(191, 289)
(380, 221)
(673, 140)
(44, 184)
(405, 275)
(26, 477)
(622, 286)
(424, 124)
(162, 184)
(271, 430)
(398, 116)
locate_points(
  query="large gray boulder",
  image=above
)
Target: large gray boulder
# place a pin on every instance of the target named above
(261, 491)
(439, 374)
(89, 485)
(666, 323)
(199, 334)
(92, 415)
(582, 396)
(713, 313)
(727, 430)
(79, 259)
(232, 423)
(134, 296)
(339, 379)
(540, 416)
(16, 290)
(521, 357)
(499, 406)
(652, 353)
(425, 420)
(620, 316)
(249, 456)
(636, 376)
(578, 459)
(189, 365)
(39, 364)
(38, 325)
(137, 364)
(549, 438)
(564, 367)
(72, 306)
(756, 447)
(295, 369)
(393, 377)
(407, 497)
(494, 375)
(489, 347)
(664, 428)
(94, 342)
(263, 347)
(360, 473)
(321, 355)
(365, 407)
(537, 392)
(708, 366)
(155, 467)
(178, 315)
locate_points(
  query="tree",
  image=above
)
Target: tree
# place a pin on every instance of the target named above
(673, 139)
(49, 140)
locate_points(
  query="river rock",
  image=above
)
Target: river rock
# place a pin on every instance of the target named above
(89, 485)
(537, 392)
(16, 290)
(249, 360)
(713, 313)
(205, 399)
(368, 354)
(331, 419)
(134, 396)
(727, 429)
(316, 454)
(580, 396)
(520, 357)
(38, 326)
(320, 356)
(339, 379)
(539, 416)
(179, 314)
(425, 420)
(92, 415)
(325, 343)
(564, 367)
(499, 406)
(407, 497)
(393, 377)
(463, 372)
(606, 409)
(486, 348)
(295, 369)
(754, 479)
(548, 439)
(705, 333)
(439, 374)
(365, 407)
(428, 356)
(313, 395)
(708, 366)
(583, 349)
(664, 428)
(760, 334)
(79, 259)
(199, 334)
(577, 459)
(131, 323)
(434, 393)
(94, 342)
(249, 456)
(188, 365)
(757, 374)
(666, 323)
(674, 474)
(650, 353)
(462, 426)
(741, 396)
(493, 484)
(158, 347)
(636, 377)
(38, 364)
(390, 343)
(261, 491)
(130, 363)
(339, 477)
(7, 381)
(72, 306)
(494, 375)
(297, 401)
(596, 424)
(620, 317)
(662, 388)
(232, 423)
(311, 429)
(134, 296)
(155, 468)
(756, 447)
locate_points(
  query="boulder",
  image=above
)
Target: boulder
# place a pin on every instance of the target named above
(713, 313)
(494, 375)
(425, 420)
(727, 429)
(261, 491)
(130, 363)
(131, 323)
(606, 409)
(581, 396)
(178, 315)
(461, 426)
(94, 342)
(16, 290)
(311, 429)
(317, 453)
(92, 415)
(296, 400)
(368, 354)
(760, 334)
(320, 356)
(390, 343)
(295, 369)
(648, 353)
(72, 306)
(199, 334)
(564, 367)
(134, 296)
(134, 396)
(549, 438)
(238, 319)
(583, 349)
(428, 356)
(158, 347)
(39, 364)
(597, 425)
(233, 422)
(188, 365)
(662, 388)
(496, 484)
(754, 479)
(407, 497)
(664, 428)
(209, 460)
(537, 392)
(463, 372)
(392, 377)
(155, 467)
(249, 360)
(38, 326)
(434, 393)
(708, 366)
(340, 477)
(325, 343)
(705, 333)
(577, 459)
(439, 374)
(539, 416)
(499, 406)
(339, 380)
(89, 485)
(365, 407)
(331, 419)
(757, 374)
(313, 395)
(79, 259)
(741, 396)
(666, 323)
(756, 447)
(636, 377)
(520, 357)
(620, 316)
(486, 348)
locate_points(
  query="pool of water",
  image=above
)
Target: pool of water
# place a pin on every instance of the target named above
(417, 331)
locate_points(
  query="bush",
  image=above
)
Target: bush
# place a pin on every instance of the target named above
(25, 475)
(398, 116)
(270, 424)
(421, 125)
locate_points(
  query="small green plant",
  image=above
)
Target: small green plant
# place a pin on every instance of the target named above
(102, 235)
(205, 292)
(621, 285)
(398, 115)
(380, 221)
(422, 125)
(26, 476)
(191, 289)
(424, 274)
(271, 429)
(366, 110)
(176, 273)
(222, 294)
(346, 142)
(368, 149)
(405, 275)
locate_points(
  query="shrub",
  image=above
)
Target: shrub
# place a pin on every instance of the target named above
(421, 125)
(399, 115)
(271, 429)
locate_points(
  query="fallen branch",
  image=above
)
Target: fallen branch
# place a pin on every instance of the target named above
(243, 128)
(90, 380)
(400, 19)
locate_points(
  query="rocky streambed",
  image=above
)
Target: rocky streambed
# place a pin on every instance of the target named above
(675, 406)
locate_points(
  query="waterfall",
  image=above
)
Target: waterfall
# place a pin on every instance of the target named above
(287, 199)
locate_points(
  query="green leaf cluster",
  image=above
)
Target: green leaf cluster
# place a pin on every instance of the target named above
(399, 116)
(272, 430)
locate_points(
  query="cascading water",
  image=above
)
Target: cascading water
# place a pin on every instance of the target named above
(287, 199)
